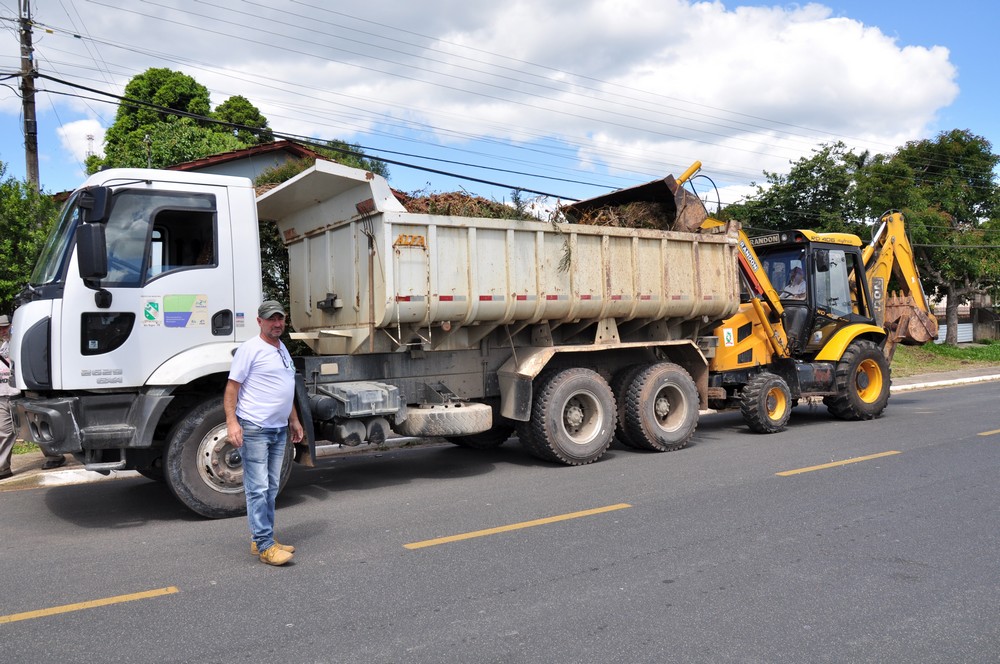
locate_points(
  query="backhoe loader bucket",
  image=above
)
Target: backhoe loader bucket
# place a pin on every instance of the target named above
(908, 323)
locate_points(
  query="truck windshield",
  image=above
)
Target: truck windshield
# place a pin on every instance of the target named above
(52, 260)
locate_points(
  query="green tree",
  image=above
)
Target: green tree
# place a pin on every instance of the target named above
(144, 135)
(26, 218)
(952, 210)
(946, 188)
(817, 193)
(239, 111)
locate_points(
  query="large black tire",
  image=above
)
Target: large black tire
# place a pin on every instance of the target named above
(572, 417)
(862, 383)
(486, 440)
(661, 408)
(766, 403)
(203, 470)
(155, 474)
(620, 383)
(497, 435)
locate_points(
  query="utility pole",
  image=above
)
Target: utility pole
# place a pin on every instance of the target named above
(28, 94)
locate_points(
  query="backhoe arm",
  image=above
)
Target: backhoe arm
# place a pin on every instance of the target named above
(906, 315)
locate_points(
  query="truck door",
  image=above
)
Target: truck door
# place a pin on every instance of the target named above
(169, 288)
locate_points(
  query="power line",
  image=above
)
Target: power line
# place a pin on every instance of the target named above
(309, 141)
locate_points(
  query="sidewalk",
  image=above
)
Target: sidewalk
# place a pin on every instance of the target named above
(28, 472)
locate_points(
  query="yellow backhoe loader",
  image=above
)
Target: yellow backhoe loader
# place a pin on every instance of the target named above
(816, 321)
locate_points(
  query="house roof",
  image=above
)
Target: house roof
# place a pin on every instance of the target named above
(277, 146)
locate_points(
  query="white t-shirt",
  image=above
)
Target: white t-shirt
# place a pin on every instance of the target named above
(267, 378)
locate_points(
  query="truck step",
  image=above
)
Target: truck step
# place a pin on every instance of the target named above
(107, 435)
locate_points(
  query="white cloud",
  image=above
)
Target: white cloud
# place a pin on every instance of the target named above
(624, 90)
(81, 138)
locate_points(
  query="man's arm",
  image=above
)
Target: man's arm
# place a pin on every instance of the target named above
(229, 404)
(295, 427)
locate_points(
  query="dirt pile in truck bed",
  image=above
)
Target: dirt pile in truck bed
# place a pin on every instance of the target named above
(456, 204)
(631, 215)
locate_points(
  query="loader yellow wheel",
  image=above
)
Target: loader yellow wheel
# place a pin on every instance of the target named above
(776, 403)
(766, 403)
(868, 381)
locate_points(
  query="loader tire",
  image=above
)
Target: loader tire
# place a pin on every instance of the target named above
(766, 403)
(661, 408)
(863, 381)
(572, 417)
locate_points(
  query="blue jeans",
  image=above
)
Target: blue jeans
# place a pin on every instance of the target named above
(263, 452)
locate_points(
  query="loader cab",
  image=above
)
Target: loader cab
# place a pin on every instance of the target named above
(820, 280)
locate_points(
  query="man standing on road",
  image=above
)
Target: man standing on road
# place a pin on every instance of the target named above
(259, 417)
(7, 433)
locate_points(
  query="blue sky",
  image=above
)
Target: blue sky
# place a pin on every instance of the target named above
(569, 97)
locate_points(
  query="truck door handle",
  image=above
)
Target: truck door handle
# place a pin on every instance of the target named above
(222, 323)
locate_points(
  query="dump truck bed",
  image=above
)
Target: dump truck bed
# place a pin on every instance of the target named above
(365, 275)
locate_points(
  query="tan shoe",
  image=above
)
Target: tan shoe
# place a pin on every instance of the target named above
(275, 556)
(284, 547)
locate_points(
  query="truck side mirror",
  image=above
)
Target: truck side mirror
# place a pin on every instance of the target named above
(92, 252)
(95, 205)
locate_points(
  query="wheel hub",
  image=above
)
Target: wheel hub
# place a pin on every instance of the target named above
(574, 416)
(221, 464)
(661, 408)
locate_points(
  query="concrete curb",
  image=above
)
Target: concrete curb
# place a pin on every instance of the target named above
(929, 385)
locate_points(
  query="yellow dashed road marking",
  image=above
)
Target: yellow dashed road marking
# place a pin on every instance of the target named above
(515, 526)
(66, 608)
(834, 464)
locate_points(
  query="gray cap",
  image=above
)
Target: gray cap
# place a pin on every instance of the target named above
(269, 308)
(4, 321)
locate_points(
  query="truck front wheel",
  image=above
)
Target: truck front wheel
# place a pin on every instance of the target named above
(572, 417)
(203, 469)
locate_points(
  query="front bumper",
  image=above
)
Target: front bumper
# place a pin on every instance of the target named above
(74, 424)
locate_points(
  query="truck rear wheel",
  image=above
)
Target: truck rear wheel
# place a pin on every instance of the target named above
(661, 408)
(862, 383)
(619, 387)
(766, 403)
(203, 469)
(572, 417)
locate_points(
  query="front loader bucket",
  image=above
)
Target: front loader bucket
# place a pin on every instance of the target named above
(908, 323)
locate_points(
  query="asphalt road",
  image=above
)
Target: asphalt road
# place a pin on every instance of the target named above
(703, 555)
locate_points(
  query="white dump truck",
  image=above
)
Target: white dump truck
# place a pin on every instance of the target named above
(469, 329)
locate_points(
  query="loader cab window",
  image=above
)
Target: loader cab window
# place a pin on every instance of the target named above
(832, 281)
(786, 271)
(153, 233)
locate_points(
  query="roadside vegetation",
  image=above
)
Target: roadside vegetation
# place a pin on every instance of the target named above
(932, 358)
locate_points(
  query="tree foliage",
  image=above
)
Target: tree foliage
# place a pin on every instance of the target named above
(145, 135)
(251, 125)
(26, 218)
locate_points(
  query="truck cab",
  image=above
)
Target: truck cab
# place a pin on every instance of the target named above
(140, 289)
